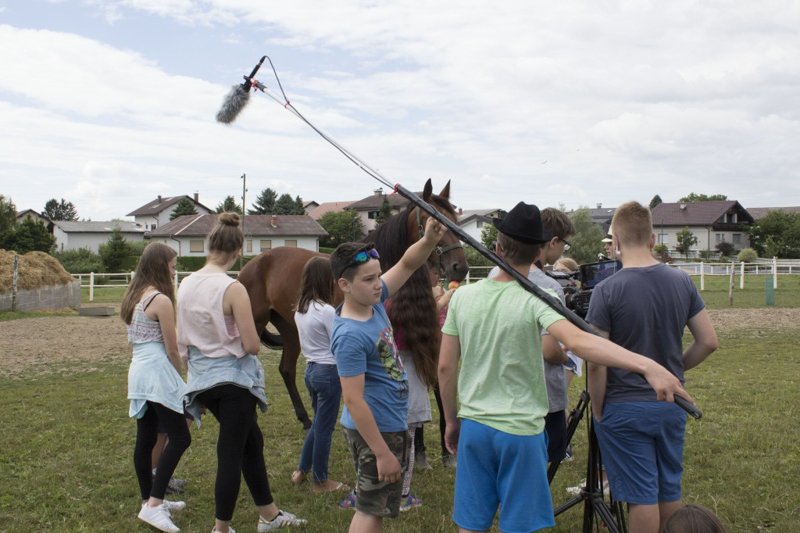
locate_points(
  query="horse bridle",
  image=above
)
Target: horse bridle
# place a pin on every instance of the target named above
(440, 250)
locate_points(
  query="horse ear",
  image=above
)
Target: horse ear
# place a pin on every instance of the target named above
(427, 191)
(446, 191)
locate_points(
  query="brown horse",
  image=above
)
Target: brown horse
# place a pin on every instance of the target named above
(272, 280)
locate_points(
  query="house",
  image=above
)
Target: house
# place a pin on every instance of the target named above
(599, 215)
(318, 210)
(369, 207)
(35, 216)
(472, 221)
(711, 222)
(90, 235)
(760, 212)
(156, 213)
(188, 234)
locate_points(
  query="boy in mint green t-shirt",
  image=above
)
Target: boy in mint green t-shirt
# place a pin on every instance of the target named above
(495, 403)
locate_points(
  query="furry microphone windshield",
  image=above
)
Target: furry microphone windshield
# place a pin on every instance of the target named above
(234, 102)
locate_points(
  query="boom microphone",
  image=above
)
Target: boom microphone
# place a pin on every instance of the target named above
(237, 98)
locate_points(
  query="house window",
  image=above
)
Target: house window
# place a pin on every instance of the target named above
(197, 246)
(662, 238)
(372, 215)
(291, 243)
(248, 246)
(719, 238)
(737, 239)
(480, 224)
(265, 244)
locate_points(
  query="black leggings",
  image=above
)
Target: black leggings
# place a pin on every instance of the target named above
(174, 424)
(240, 448)
(419, 436)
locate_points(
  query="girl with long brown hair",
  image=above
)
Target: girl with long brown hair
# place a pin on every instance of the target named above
(155, 387)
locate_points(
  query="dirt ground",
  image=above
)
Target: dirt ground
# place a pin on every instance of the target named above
(36, 346)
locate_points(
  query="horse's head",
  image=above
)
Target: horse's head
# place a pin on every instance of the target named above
(448, 256)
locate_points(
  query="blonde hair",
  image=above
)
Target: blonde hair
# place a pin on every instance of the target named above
(633, 224)
(226, 237)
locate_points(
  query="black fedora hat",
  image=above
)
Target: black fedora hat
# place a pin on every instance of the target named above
(524, 224)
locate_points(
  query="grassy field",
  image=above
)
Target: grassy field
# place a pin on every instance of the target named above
(66, 445)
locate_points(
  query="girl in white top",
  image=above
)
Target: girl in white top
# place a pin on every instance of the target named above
(314, 320)
(155, 387)
(217, 335)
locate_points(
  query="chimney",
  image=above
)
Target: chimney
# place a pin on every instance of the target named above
(378, 191)
(460, 211)
(599, 205)
(197, 197)
(273, 221)
(159, 198)
(683, 207)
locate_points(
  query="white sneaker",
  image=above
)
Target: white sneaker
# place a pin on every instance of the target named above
(173, 506)
(230, 530)
(284, 519)
(159, 518)
(574, 491)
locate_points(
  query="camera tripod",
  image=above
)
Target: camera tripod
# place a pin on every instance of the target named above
(595, 506)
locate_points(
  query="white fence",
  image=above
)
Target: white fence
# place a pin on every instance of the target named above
(105, 280)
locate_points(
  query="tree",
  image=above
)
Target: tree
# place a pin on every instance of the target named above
(747, 255)
(184, 207)
(342, 226)
(686, 239)
(694, 197)
(115, 251)
(80, 261)
(655, 201)
(385, 212)
(229, 205)
(8, 222)
(63, 210)
(726, 249)
(777, 235)
(264, 204)
(488, 236)
(32, 235)
(286, 205)
(585, 245)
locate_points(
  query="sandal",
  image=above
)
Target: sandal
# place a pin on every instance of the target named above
(329, 486)
(298, 477)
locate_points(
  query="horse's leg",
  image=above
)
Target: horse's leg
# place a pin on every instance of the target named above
(288, 365)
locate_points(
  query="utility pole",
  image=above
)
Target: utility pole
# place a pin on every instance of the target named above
(244, 211)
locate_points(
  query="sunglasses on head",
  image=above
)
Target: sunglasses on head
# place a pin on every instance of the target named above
(363, 256)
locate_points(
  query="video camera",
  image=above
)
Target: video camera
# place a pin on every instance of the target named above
(589, 275)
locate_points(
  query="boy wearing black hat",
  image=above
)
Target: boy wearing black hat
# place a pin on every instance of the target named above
(493, 329)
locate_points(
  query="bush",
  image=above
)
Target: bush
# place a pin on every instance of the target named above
(706, 254)
(80, 261)
(747, 255)
(661, 252)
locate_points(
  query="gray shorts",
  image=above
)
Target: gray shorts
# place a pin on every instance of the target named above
(374, 497)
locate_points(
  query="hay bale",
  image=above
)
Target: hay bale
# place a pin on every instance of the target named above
(36, 269)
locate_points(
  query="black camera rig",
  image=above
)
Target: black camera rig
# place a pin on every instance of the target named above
(589, 275)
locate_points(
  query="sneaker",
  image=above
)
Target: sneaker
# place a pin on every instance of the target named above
(349, 502)
(175, 485)
(574, 491)
(421, 462)
(173, 506)
(409, 502)
(449, 460)
(158, 517)
(215, 530)
(284, 519)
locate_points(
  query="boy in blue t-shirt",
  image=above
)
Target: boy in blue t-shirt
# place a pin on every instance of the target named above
(374, 384)
(644, 307)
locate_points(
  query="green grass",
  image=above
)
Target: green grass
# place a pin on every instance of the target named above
(753, 295)
(66, 448)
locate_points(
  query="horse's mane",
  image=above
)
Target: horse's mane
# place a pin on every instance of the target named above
(412, 309)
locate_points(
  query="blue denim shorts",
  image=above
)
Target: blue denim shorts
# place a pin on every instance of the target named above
(642, 448)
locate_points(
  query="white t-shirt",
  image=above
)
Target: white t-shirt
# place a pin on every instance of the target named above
(314, 328)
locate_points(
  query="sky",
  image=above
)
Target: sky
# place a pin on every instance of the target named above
(110, 103)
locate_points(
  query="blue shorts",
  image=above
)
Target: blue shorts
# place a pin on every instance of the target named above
(500, 469)
(642, 449)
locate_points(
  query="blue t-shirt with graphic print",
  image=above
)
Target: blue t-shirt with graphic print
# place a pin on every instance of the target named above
(368, 347)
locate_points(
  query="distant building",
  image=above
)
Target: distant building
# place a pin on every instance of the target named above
(711, 222)
(472, 221)
(318, 210)
(760, 212)
(369, 207)
(91, 234)
(188, 234)
(156, 213)
(35, 216)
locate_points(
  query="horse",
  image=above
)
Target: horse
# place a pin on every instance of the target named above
(272, 280)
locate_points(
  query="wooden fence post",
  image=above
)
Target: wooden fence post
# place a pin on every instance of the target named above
(14, 277)
(91, 286)
(741, 275)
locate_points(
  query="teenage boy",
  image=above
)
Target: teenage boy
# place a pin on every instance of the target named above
(558, 228)
(644, 307)
(374, 384)
(493, 329)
